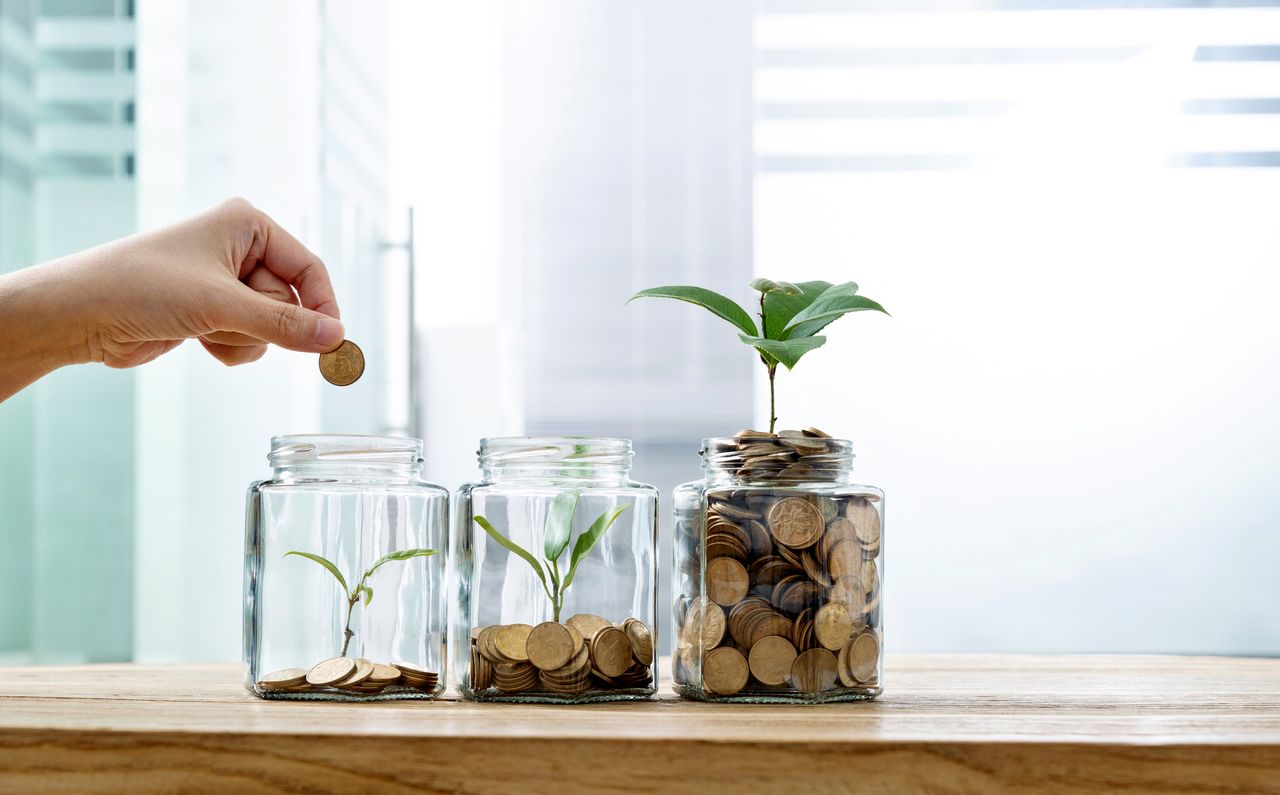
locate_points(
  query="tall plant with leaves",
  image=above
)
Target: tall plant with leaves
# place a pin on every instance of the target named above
(362, 589)
(555, 540)
(791, 315)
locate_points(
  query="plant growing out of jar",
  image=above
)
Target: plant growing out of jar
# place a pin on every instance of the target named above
(791, 315)
(556, 535)
(362, 589)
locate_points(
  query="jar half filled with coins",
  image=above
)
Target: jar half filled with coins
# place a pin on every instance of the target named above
(344, 588)
(779, 564)
(556, 554)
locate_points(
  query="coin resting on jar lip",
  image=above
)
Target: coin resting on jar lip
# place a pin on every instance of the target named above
(343, 365)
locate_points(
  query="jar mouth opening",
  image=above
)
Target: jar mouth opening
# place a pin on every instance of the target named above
(532, 451)
(344, 448)
(772, 457)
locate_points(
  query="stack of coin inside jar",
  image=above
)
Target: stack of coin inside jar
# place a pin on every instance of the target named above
(584, 654)
(350, 677)
(790, 601)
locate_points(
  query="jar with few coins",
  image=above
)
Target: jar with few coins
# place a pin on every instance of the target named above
(556, 565)
(779, 567)
(345, 561)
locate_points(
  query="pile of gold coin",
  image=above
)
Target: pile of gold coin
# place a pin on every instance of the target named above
(791, 590)
(353, 676)
(584, 653)
(808, 455)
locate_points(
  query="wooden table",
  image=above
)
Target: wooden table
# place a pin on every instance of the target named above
(946, 724)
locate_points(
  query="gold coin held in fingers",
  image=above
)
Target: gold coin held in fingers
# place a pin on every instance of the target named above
(344, 365)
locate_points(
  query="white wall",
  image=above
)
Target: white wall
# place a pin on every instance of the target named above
(1072, 410)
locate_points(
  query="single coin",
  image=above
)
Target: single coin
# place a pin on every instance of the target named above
(384, 674)
(511, 640)
(864, 657)
(795, 522)
(410, 670)
(550, 645)
(641, 640)
(727, 581)
(364, 669)
(283, 679)
(815, 433)
(587, 624)
(344, 365)
(327, 672)
(704, 624)
(611, 651)
(866, 521)
(814, 671)
(833, 626)
(724, 671)
(771, 660)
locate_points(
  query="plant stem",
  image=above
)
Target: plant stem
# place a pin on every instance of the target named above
(773, 368)
(347, 633)
(773, 411)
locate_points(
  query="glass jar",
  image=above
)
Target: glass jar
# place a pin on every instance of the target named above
(344, 589)
(556, 559)
(779, 563)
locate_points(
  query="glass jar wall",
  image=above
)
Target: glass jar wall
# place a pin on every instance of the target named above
(779, 563)
(555, 554)
(345, 572)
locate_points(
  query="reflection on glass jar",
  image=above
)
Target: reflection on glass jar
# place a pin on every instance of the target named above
(555, 552)
(345, 572)
(778, 570)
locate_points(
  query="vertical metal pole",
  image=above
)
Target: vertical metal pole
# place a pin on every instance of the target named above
(415, 386)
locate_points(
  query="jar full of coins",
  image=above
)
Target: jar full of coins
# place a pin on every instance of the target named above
(344, 590)
(779, 563)
(555, 554)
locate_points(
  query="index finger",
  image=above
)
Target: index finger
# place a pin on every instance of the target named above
(284, 256)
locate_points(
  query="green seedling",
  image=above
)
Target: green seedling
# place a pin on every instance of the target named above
(791, 315)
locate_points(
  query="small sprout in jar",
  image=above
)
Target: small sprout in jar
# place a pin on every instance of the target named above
(556, 532)
(362, 588)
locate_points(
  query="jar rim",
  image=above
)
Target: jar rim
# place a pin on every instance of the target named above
(520, 451)
(810, 457)
(299, 448)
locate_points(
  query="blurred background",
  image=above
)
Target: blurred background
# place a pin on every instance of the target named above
(1069, 206)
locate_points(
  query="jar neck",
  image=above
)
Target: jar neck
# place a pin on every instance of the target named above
(776, 460)
(333, 457)
(584, 461)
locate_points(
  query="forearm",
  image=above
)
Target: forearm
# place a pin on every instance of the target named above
(40, 329)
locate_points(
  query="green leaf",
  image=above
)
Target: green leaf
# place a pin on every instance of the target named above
(368, 594)
(404, 554)
(559, 524)
(787, 352)
(513, 547)
(823, 311)
(707, 299)
(332, 568)
(588, 540)
(779, 308)
(770, 286)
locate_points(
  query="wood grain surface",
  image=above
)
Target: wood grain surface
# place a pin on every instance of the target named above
(948, 723)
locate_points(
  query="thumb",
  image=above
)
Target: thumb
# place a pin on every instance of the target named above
(284, 324)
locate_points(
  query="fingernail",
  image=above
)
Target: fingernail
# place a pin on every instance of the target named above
(329, 333)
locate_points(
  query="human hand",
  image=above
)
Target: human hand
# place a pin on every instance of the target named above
(227, 277)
